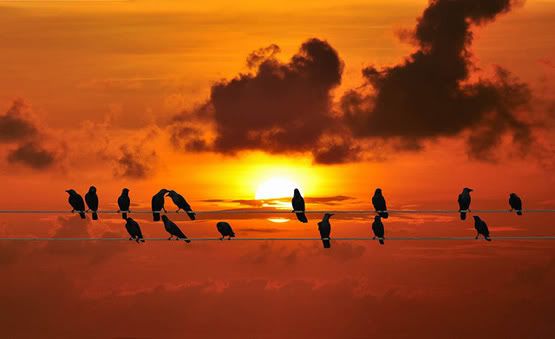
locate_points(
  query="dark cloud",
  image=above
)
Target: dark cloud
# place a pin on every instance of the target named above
(32, 155)
(430, 94)
(135, 162)
(15, 125)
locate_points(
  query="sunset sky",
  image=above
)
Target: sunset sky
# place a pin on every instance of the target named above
(231, 102)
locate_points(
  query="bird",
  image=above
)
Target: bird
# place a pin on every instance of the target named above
(76, 202)
(464, 202)
(124, 202)
(92, 202)
(324, 227)
(181, 203)
(516, 203)
(379, 203)
(298, 205)
(158, 204)
(378, 229)
(225, 230)
(481, 228)
(134, 230)
(174, 230)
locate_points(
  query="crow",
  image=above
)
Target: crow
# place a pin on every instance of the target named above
(225, 230)
(379, 203)
(378, 229)
(181, 203)
(481, 228)
(76, 202)
(134, 230)
(324, 227)
(92, 202)
(174, 230)
(516, 203)
(298, 205)
(464, 202)
(158, 204)
(124, 202)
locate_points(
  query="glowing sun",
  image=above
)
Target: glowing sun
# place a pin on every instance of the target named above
(275, 188)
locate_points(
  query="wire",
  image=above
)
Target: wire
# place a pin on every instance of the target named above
(529, 238)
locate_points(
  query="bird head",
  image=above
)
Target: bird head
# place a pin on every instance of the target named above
(328, 215)
(378, 191)
(92, 189)
(125, 190)
(170, 193)
(296, 192)
(163, 191)
(71, 191)
(468, 190)
(476, 218)
(129, 219)
(165, 218)
(377, 218)
(513, 194)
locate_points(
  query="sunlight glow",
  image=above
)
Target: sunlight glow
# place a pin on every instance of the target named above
(277, 187)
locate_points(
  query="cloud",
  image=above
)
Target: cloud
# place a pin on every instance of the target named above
(135, 162)
(32, 155)
(15, 124)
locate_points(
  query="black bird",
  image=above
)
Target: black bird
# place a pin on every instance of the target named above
(92, 201)
(174, 230)
(378, 229)
(481, 228)
(516, 203)
(124, 202)
(379, 203)
(134, 230)
(158, 204)
(464, 202)
(76, 202)
(225, 230)
(298, 205)
(324, 227)
(181, 203)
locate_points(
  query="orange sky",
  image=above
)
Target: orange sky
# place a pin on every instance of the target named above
(101, 79)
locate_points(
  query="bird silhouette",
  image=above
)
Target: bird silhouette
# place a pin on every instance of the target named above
(92, 201)
(298, 205)
(516, 203)
(134, 230)
(174, 230)
(181, 203)
(158, 204)
(225, 230)
(124, 202)
(76, 202)
(464, 202)
(324, 227)
(378, 229)
(481, 228)
(379, 203)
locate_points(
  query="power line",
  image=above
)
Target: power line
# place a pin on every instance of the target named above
(509, 238)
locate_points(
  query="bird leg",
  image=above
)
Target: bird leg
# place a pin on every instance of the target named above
(130, 238)
(477, 235)
(222, 238)
(73, 211)
(164, 210)
(177, 210)
(170, 238)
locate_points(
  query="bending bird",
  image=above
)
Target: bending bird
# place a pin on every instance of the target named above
(76, 202)
(92, 201)
(174, 230)
(158, 204)
(481, 228)
(324, 227)
(379, 203)
(225, 230)
(124, 202)
(464, 202)
(181, 204)
(298, 205)
(134, 230)
(516, 203)
(378, 229)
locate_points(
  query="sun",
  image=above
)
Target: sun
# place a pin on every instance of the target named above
(276, 187)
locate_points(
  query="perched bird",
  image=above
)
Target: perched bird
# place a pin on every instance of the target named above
(379, 203)
(378, 229)
(324, 227)
(481, 228)
(225, 230)
(516, 203)
(464, 202)
(158, 204)
(124, 202)
(92, 201)
(76, 202)
(174, 230)
(181, 203)
(134, 230)
(298, 205)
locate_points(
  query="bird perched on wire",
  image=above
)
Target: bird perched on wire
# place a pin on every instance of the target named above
(181, 204)
(464, 202)
(516, 203)
(298, 205)
(124, 202)
(379, 203)
(225, 230)
(481, 228)
(378, 229)
(174, 230)
(92, 202)
(134, 230)
(158, 204)
(324, 227)
(76, 202)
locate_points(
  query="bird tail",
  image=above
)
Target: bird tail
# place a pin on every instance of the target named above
(384, 215)
(519, 212)
(82, 214)
(302, 217)
(232, 234)
(155, 216)
(326, 242)
(463, 215)
(186, 240)
(381, 241)
(487, 238)
(94, 215)
(191, 215)
(124, 215)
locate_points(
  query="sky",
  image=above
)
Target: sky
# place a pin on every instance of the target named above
(235, 103)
